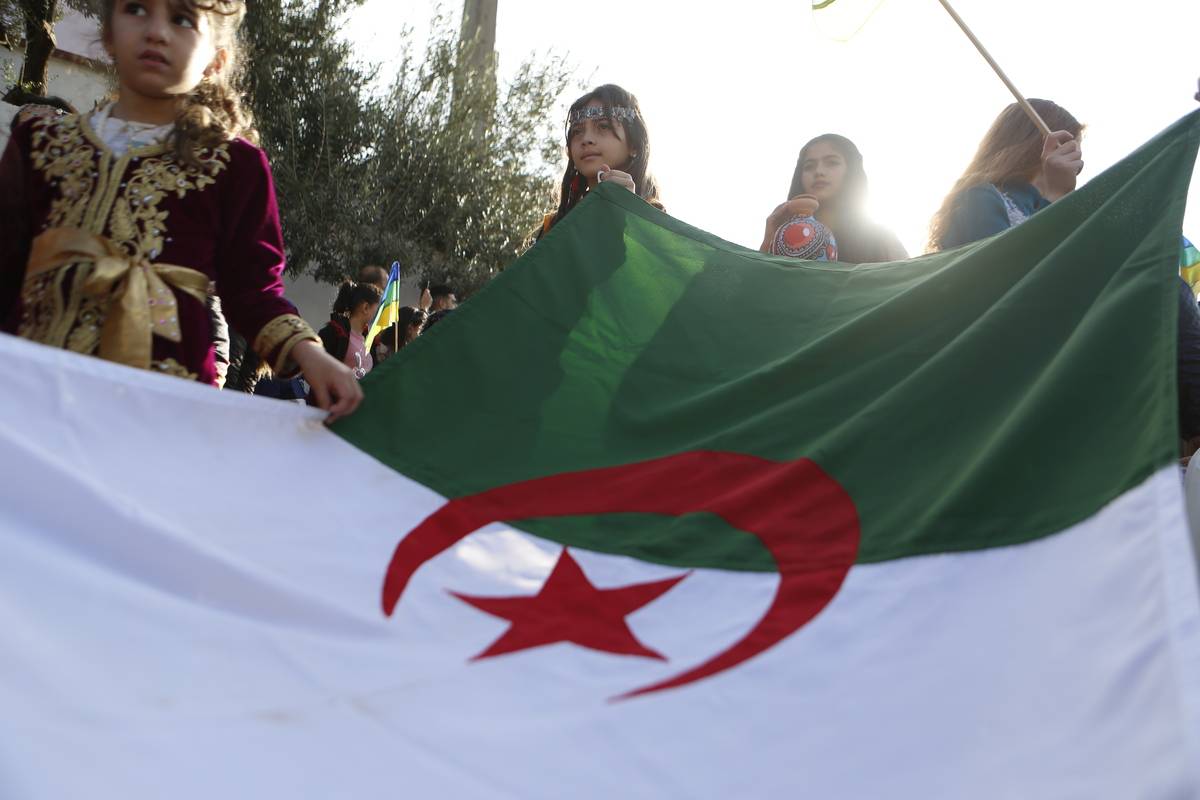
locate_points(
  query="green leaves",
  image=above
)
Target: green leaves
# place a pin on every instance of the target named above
(319, 124)
(466, 157)
(447, 168)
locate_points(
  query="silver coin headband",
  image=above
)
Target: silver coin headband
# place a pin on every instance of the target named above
(592, 112)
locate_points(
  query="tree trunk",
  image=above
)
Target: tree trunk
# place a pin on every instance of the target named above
(476, 65)
(39, 44)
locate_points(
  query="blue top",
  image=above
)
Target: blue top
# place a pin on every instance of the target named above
(986, 210)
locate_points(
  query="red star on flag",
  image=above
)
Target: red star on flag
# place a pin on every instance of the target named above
(569, 608)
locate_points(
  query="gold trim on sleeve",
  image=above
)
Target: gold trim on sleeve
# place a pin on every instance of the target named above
(275, 341)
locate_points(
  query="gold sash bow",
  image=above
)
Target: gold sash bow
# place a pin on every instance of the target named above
(139, 301)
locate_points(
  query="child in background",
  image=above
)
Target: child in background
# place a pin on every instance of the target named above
(113, 224)
(830, 168)
(607, 141)
(1015, 173)
(411, 321)
(376, 276)
(353, 310)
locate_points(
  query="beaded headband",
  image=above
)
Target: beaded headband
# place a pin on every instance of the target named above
(592, 112)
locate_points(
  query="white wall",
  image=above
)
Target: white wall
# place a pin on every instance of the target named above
(79, 85)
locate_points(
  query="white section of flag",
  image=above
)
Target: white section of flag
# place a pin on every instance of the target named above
(190, 608)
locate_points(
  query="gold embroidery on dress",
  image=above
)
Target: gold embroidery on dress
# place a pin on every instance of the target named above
(55, 310)
(169, 366)
(278, 337)
(93, 193)
(68, 160)
(136, 224)
(41, 304)
(85, 335)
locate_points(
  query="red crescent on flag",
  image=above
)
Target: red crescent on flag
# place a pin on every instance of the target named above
(804, 518)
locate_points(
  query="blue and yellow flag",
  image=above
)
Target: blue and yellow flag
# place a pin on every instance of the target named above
(1189, 264)
(389, 306)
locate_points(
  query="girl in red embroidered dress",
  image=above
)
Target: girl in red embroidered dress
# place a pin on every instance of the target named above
(116, 225)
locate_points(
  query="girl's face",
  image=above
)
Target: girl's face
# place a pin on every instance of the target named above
(160, 50)
(596, 141)
(823, 171)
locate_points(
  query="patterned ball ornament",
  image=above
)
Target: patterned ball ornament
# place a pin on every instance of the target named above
(803, 236)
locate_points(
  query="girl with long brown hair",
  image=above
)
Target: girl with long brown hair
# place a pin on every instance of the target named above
(1014, 174)
(607, 141)
(830, 169)
(117, 225)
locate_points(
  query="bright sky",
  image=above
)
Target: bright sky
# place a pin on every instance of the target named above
(731, 91)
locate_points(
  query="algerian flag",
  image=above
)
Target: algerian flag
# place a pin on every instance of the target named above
(389, 307)
(653, 516)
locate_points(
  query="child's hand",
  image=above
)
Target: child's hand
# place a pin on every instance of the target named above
(780, 215)
(616, 176)
(426, 301)
(1062, 161)
(333, 384)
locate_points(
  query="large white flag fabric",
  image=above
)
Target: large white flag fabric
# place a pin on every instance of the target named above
(189, 608)
(852, 551)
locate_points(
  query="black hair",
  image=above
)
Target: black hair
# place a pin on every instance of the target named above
(437, 317)
(637, 139)
(440, 290)
(409, 316)
(350, 295)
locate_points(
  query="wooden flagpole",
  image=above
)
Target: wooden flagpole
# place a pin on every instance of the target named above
(396, 332)
(1029, 110)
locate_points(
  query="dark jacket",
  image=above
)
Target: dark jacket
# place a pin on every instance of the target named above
(336, 336)
(986, 210)
(1189, 363)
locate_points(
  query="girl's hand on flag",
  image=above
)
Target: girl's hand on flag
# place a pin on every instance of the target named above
(1062, 161)
(334, 387)
(608, 175)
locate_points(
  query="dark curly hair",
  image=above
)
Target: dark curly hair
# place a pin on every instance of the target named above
(351, 295)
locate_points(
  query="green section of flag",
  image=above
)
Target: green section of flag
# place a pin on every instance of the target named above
(819, 4)
(966, 400)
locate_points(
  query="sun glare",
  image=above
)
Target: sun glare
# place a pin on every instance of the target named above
(731, 92)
